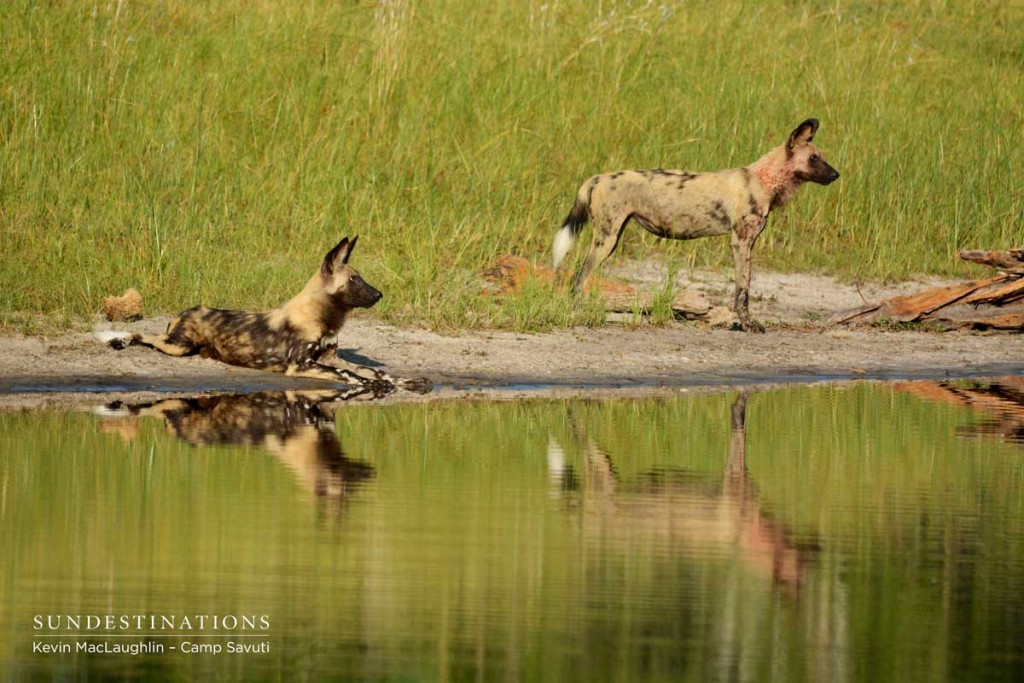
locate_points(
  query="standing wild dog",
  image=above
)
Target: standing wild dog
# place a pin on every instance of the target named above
(678, 509)
(292, 338)
(683, 205)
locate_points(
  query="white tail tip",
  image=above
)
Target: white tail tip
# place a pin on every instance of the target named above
(563, 242)
(112, 410)
(107, 336)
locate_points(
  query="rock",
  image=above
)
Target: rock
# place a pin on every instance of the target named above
(124, 308)
(720, 315)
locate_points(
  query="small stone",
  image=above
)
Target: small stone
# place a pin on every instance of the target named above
(720, 315)
(691, 305)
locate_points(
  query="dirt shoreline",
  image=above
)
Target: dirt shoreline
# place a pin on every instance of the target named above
(613, 360)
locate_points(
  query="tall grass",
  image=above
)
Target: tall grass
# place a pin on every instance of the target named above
(213, 151)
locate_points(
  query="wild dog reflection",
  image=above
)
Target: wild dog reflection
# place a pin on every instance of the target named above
(682, 205)
(294, 426)
(293, 339)
(680, 506)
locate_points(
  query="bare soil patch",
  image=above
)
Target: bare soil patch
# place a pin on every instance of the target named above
(618, 358)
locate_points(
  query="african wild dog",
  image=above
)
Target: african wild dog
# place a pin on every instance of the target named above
(680, 508)
(683, 205)
(292, 338)
(296, 426)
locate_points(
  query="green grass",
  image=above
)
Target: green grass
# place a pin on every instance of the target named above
(213, 151)
(464, 550)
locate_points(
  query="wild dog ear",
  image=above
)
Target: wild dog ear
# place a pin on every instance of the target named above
(335, 257)
(803, 134)
(351, 246)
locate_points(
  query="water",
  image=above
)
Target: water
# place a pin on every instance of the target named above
(866, 532)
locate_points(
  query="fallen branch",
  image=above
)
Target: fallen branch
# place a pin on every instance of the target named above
(1012, 259)
(914, 307)
(995, 303)
(688, 305)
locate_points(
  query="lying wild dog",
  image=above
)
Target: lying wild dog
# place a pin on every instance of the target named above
(292, 339)
(296, 426)
(682, 205)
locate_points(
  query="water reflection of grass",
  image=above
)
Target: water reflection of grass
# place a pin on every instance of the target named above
(463, 553)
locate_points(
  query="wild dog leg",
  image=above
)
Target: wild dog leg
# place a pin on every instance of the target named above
(315, 370)
(742, 241)
(606, 237)
(165, 343)
(736, 467)
(328, 355)
(304, 362)
(741, 253)
(170, 344)
(330, 351)
(177, 341)
(418, 385)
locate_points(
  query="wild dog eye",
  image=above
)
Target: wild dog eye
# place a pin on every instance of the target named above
(815, 158)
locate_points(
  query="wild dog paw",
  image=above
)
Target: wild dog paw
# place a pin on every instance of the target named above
(749, 326)
(418, 385)
(380, 387)
(387, 384)
(381, 376)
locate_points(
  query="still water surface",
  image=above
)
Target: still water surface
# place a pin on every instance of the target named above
(867, 532)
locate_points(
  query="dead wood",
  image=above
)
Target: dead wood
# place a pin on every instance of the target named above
(1007, 292)
(993, 303)
(913, 307)
(1012, 259)
(962, 316)
(1000, 401)
(687, 304)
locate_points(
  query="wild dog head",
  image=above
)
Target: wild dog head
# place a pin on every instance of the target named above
(784, 169)
(342, 283)
(805, 160)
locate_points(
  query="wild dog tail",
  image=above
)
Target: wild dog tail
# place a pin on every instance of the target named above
(573, 224)
(113, 409)
(115, 339)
